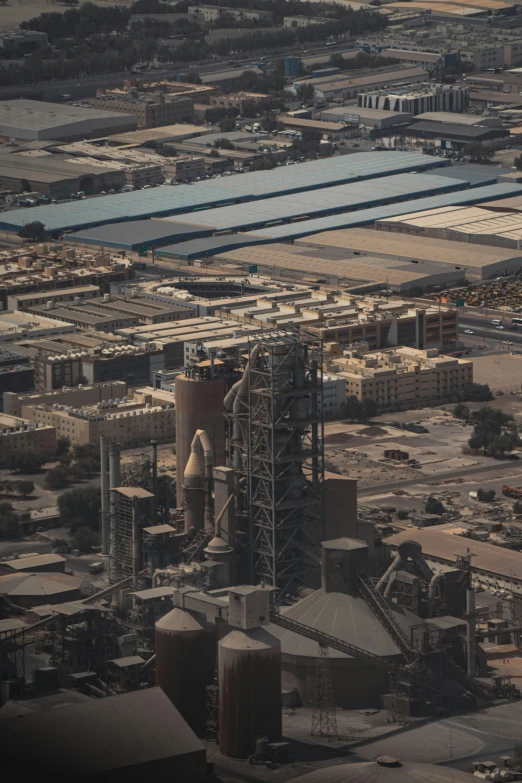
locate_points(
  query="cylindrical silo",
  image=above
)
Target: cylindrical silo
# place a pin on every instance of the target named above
(199, 406)
(249, 691)
(186, 650)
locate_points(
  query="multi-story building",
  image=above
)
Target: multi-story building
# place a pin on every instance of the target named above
(129, 421)
(212, 13)
(20, 404)
(333, 395)
(28, 301)
(21, 436)
(151, 109)
(304, 21)
(402, 377)
(237, 99)
(483, 58)
(186, 167)
(21, 42)
(422, 98)
(144, 174)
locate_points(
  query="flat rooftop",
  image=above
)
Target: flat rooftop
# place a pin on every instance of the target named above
(39, 115)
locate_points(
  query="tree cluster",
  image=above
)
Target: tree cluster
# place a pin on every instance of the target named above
(486, 495)
(22, 488)
(72, 466)
(434, 506)
(359, 410)
(34, 231)
(494, 432)
(80, 512)
(27, 463)
(93, 40)
(361, 60)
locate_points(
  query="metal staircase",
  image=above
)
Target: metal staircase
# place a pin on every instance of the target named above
(194, 548)
(384, 614)
(474, 686)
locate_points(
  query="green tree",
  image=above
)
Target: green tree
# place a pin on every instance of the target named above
(87, 452)
(25, 488)
(226, 125)
(80, 507)
(63, 444)
(370, 408)
(478, 152)
(353, 409)
(58, 477)
(461, 411)
(34, 230)
(23, 463)
(518, 162)
(434, 506)
(305, 92)
(84, 539)
(486, 495)
(224, 144)
(402, 514)
(8, 518)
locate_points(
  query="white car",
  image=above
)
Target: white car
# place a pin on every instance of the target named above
(499, 327)
(468, 331)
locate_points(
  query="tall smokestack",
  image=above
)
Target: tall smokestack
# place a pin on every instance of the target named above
(104, 497)
(471, 635)
(114, 483)
(154, 445)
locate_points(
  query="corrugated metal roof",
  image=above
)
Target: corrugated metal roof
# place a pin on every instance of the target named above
(128, 660)
(213, 245)
(246, 187)
(26, 563)
(446, 546)
(134, 492)
(345, 617)
(102, 735)
(341, 198)
(37, 584)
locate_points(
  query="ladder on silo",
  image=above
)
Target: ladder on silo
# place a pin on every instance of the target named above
(384, 614)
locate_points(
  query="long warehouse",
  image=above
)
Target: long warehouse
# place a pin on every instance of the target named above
(168, 200)
(213, 245)
(254, 215)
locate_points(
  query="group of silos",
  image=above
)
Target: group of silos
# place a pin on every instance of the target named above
(249, 678)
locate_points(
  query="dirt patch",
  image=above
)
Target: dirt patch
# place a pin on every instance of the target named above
(372, 431)
(338, 437)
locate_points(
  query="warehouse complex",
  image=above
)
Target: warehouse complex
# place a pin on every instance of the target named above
(27, 120)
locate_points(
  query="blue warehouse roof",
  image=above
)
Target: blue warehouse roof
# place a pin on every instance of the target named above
(215, 244)
(168, 200)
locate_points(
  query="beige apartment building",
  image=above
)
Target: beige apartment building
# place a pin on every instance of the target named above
(186, 167)
(15, 404)
(152, 110)
(23, 437)
(129, 423)
(402, 377)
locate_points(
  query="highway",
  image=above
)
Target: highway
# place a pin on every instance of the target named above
(86, 86)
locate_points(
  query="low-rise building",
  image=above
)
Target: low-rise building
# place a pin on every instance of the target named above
(237, 100)
(15, 404)
(398, 378)
(144, 174)
(483, 58)
(129, 422)
(185, 167)
(22, 436)
(18, 43)
(77, 295)
(212, 13)
(152, 110)
(293, 22)
(422, 98)
(342, 87)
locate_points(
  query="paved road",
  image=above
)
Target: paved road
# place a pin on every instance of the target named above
(508, 468)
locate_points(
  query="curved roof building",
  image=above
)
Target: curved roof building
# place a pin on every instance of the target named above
(387, 770)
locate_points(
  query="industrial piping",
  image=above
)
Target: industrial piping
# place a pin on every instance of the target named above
(237, 396)
(192, 488)
(471, 633)
(104, 497)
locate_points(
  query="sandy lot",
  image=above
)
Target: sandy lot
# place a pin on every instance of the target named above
(500, 370)
(18, 11)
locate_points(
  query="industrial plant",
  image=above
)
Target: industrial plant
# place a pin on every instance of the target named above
(243, 587)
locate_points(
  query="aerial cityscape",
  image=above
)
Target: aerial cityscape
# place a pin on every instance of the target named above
(261, 390)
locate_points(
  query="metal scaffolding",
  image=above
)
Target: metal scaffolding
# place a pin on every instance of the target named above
(280, 514)
(131, 511)
(324, 718)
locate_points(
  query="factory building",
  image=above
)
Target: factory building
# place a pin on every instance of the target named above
(27, 120)
(423, 98)
(342, 88)
(150, 109)
(38, 298)
(402, 377)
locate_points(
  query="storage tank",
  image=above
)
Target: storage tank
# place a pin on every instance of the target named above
(199, 406)
(186, 650)
(249, 691)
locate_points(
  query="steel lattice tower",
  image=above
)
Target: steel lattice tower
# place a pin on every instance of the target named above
(282, 460)
(324, 718)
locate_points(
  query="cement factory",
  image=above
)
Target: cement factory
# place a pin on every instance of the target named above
(254, 593)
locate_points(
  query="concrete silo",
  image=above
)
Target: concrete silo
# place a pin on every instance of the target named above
(199, 406)
(249, 691)
(186, 648)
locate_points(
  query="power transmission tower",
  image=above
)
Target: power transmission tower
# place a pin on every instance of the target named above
(324, 718)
